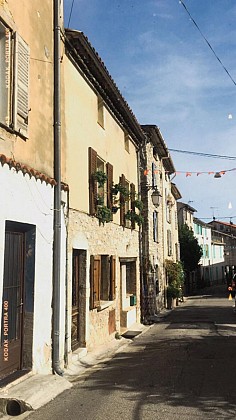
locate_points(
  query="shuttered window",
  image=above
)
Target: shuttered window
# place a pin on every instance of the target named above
(21, 73)
(102, 279)
(109, 184)
(14, 80)
(169, 242)
(155, 226)
(132, 199)
(122, 202)
(92, 182)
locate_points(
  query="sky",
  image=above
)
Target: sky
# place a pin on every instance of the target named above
(171, 77)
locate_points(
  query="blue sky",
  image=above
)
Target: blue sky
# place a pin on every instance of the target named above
(170, 77)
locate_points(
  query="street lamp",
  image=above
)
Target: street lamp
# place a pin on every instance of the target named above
(156, 195)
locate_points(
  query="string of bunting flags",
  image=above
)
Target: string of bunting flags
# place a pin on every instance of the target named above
(217, 174)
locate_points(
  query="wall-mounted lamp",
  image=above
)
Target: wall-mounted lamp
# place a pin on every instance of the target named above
(217, 175)
(156, 195)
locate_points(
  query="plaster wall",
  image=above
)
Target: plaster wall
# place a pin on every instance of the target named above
(32, 20)
(83, 131)
(29, 201)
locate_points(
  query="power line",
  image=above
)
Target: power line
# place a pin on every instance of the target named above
(203, 154)
(71, 9)
(208, 43)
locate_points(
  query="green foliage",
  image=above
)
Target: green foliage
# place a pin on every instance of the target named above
(190, 250)
(138, 204)
(175, 275)
(104, 214)
(119, 188)
(133, 216)
(100, 177)
(173, 291)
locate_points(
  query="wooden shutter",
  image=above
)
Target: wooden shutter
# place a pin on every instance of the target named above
(112, 277)
(92, 182)
(109, 184)
(21, 85)
(132, 197)
(95, 279)
(154, 170)
(155, 226)
(122, 202)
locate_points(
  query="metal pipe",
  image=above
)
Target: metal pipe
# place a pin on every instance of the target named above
(57, 197)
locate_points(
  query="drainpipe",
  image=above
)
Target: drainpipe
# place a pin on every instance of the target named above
(57, 197)
(140, 240)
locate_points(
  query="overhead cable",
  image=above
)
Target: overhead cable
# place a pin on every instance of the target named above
(71, 10)
(203, 154)
(208, 43)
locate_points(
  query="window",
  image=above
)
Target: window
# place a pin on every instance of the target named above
(155, 226)
(100, 105)
(154, 172)
(168, 212)
(128, 282)
(127, 140)
(102, 279)
(99, 194)
(169, 242)
(14, 80)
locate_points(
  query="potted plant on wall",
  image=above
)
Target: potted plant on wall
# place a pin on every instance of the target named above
(134, 217)
(104, 214)
(118, 189)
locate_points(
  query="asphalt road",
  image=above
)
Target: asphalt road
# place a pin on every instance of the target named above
(181, 368)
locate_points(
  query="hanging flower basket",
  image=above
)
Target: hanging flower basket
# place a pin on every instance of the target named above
(100, 177)
(134, 217)
(104, 214)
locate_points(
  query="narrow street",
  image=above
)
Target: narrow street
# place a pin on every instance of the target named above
(181, 368)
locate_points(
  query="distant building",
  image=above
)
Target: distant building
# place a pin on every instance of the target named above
(212, 261)
(228, 233)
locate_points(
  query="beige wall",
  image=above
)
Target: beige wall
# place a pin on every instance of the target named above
(82, 131)
(33, 21)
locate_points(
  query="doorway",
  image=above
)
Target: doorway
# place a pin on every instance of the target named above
(78, 321)
(18, 298)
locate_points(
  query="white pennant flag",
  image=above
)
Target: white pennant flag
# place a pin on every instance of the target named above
(230, 205)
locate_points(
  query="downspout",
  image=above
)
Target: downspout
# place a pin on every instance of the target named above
(57, 197)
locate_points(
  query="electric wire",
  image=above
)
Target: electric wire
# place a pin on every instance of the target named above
(203, 154)
(207, 42)
(71, 10)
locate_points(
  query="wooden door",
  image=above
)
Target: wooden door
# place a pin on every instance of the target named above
(12, 304)
(78, 321)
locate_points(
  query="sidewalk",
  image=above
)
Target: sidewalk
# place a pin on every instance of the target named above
(31, 392)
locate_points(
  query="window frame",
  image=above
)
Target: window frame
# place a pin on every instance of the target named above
(102, 280)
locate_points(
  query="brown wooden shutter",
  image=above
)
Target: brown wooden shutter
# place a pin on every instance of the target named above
(109, 184)
(122, 202)
(91, 301)
(92, 182)
(95, 280)
(112, 277)
(132, 197)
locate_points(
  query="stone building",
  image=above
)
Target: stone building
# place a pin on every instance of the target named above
(160, 228)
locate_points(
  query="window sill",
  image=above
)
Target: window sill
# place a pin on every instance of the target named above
(104, 305)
